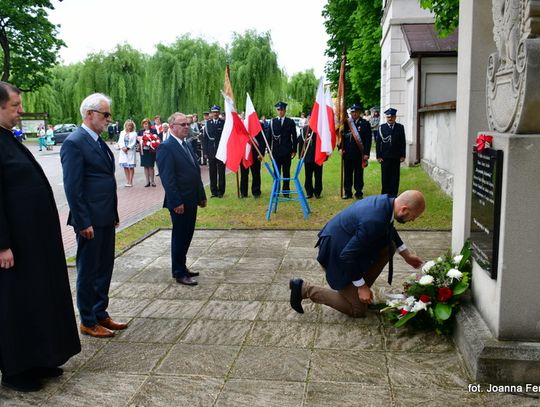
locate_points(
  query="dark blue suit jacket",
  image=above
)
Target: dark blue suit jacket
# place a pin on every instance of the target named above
(180, 176)
(89, 182)
(351, 242)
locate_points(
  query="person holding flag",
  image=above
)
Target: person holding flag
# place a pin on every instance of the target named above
(355, 147)
(254, 153)
(210, 142)
(312, 171)
(283, 141)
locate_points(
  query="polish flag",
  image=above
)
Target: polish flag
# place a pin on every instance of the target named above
(232, 145)
(322, 124)
(253, 126)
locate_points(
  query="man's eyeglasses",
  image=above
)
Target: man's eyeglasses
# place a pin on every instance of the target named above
(105, 114)
(180, 124)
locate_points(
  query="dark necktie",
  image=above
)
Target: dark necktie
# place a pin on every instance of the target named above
(390, 254)
(104, 147)
(186, 150)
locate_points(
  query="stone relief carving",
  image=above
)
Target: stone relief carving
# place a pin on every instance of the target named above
(513, 73)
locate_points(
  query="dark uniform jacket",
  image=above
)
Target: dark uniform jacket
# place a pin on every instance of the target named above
(302, 144)
(283, 139)
(391, 142)
(349, 146)
(211, 136)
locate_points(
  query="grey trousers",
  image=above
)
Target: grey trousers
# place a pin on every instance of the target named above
(346, 300)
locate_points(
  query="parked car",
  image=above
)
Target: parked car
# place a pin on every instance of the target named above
(61, 131)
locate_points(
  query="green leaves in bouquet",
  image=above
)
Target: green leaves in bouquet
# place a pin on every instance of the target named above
(462, 286)
(403, 320)
(443, 311)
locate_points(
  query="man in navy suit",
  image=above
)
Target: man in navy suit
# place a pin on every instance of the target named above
(184, 191)
(354, 247)
(390, 144)
(210, 142)
(90, 188)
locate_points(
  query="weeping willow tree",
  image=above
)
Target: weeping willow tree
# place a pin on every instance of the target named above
(254, 70)
(302, 88)
(186, 76)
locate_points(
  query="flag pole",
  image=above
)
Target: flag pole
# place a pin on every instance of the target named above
(341, 111)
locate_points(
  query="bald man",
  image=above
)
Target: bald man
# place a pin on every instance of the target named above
(354, 247)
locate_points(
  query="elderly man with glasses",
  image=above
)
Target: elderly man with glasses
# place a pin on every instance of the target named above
(184, 192)
(90, 187)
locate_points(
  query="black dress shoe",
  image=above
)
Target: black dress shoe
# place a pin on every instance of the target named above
(22, 382)
(346, 197)
(317, 196)
(213, 196)
(309, 196)
(45, 372)
(192, 273)
(359, 196)
(186, 280)
(295, 284)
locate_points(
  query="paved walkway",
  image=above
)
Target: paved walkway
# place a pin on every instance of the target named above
(234, 341)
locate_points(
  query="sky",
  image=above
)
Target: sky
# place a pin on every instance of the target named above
(296, 26)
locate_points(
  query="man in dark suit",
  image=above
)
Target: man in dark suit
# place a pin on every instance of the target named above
(255, 169)
(210, 142)
(355, 153)
(312, 170)
(184, 191)
(38, 330)
(354, 247)
(90, 188)
(390, 152)
(283, 142)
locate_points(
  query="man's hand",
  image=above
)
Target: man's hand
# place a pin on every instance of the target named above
(380, 160)
(6, 259)
(412, 259)
(292, 155)
(365, 294)
(179, 209)
(87, 233)
(401, 159)
(202, 204)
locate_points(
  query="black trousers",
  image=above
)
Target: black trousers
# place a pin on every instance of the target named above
(313, 172)
(284, 168)
(95, 262)
(390, 176)
(217, 176)
(255, 179)
(183, 226)
(353, 173)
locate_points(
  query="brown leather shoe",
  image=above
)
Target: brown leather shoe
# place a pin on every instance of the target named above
(97, 331)
(110, 324)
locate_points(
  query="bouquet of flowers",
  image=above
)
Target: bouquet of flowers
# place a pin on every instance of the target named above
(430, 298)
(150, 141)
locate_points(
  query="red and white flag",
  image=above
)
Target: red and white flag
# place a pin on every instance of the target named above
(253, 126)
(234, 137)
(322, 124)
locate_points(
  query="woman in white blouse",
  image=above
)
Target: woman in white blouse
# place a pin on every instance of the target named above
(126, 157)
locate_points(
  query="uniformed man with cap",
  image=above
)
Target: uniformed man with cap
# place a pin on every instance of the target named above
(390, 152)
(210, 142)
(354, 151)
(283, 142)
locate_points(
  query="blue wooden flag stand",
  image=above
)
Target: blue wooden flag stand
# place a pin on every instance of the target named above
(277, 195)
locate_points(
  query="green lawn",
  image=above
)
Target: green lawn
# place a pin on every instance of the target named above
(231, 212)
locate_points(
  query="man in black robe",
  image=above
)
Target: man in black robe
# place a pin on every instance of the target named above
(38, 329)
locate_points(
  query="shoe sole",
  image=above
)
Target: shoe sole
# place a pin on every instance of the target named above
(301, 310)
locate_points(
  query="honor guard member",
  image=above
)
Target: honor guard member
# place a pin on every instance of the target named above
(390, 152)
(283, 142)
(255, 169)
(210, 142)
(354, 151)
(312, 171)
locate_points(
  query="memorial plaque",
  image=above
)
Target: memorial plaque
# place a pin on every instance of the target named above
(486, 208)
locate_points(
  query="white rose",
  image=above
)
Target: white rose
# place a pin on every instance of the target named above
(439, 259)
(457, 259)
(426, 280)
(454, 273)
(419, 306)
(410, 301)
(426, 267)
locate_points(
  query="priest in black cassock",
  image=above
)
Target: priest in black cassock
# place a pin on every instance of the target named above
(38, 332)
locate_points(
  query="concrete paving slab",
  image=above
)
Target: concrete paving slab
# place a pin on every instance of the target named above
(233, 340)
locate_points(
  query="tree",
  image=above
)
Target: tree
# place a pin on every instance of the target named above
(446, 14)
(354, 27)
(29, 46)
(254, 70)
(303, 87)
